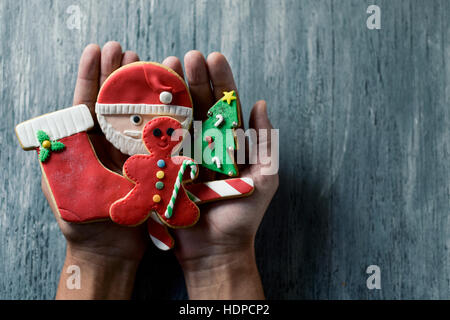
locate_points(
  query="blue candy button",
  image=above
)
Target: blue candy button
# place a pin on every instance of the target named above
(161, 163)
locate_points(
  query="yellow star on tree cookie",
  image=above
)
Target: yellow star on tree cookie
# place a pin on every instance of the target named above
(228, 96)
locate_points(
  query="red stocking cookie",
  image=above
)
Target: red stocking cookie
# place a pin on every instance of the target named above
(82, 188)
(158, 182)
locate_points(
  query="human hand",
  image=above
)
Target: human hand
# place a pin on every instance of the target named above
(107, 254)
(217, 254)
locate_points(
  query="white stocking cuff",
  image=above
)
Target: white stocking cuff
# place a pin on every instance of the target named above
(57, 125)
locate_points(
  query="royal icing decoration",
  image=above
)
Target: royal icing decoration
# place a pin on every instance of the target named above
(168, 198)
(47, 146)
(135, 120)
(137, 89)
(177, 185)
(228, 97)
(160, 174)
(219, 121)
(158, 232)
(216, 160)
(165, 97)
(159, 185)
(161, 163)
(200, 193)
(219, 189)
(59, 124)
(223, 118)
(210, 141)
(82, 188)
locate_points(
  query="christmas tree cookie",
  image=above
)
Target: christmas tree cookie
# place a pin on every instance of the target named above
(218, 137)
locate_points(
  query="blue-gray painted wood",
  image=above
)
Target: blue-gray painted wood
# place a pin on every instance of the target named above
(364, 117)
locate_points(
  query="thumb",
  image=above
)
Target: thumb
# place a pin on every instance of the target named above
(258, 116)
(267, 139)
(259, 121)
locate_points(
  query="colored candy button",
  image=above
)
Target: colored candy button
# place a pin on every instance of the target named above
(160, 174)
(159, 185)
(161, 163)
(156, 198)
(46, 144)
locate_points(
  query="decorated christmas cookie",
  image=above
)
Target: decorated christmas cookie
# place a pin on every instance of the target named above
(135, 94)
(218, 135)
(200, 193)
(220, 190)
(82, 188)
(139, 107)
(159, 180)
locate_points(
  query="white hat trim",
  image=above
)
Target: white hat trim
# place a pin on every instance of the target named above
(57, 125)
(126, 108)
(125, 144)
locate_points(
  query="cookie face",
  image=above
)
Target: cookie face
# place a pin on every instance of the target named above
(135, 94)
(159, 182)
(158, 134)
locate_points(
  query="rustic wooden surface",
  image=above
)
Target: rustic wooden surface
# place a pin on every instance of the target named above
(365, 144)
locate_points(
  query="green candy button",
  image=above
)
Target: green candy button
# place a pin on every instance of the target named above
(159, 185)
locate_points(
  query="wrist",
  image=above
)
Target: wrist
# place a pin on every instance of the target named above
(232, 275)
(89, 275)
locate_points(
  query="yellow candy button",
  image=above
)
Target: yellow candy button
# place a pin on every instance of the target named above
(156, 198)
(160, 174)
(46, 144)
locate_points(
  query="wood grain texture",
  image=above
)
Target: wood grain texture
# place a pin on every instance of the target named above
(365, 143)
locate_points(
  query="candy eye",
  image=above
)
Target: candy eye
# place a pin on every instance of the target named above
(170, 131)
(156, 132)
(136, 119)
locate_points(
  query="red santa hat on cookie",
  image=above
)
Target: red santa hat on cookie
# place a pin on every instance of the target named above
(142, 88)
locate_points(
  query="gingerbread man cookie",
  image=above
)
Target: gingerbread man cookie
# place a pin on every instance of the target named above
(158, 178)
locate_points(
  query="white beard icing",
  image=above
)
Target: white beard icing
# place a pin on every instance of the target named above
(125, 144)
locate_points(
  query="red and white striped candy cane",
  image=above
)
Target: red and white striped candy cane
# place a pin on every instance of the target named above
(200, 193)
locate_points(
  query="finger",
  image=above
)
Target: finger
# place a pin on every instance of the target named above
(259, 121)
(86, 88)
(110, 60)
(174, 64)
(221, 78)
(220, 74)
(265, 171)
(129, 57)
(199, 83)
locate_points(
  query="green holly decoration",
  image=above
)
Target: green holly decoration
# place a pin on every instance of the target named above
(47, 146)
(218, 135)
(43, 154)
